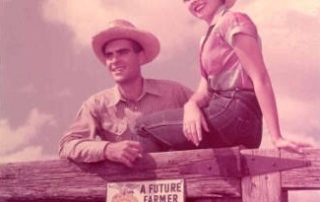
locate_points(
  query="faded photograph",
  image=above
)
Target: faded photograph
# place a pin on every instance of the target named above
(103, 80)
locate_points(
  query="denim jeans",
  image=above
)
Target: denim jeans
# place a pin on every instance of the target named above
(234, 119)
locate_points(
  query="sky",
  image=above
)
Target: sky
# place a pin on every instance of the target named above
(47, 66)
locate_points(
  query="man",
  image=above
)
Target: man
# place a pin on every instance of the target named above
(103, 126)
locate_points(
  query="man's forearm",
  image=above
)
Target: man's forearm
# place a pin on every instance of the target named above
(83, 150)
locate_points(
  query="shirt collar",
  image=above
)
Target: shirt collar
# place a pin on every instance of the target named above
(148, 88)
(220, 12)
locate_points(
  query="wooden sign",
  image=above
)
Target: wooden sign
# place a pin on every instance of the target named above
(146, 191)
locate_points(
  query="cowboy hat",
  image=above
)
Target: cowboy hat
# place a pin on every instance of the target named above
(122, 29)
(229, 3)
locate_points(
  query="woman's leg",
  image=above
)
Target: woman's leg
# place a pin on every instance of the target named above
(166, 128)
(233, 120)
(237, 118)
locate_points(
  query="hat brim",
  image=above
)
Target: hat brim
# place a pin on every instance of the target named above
(149, 43)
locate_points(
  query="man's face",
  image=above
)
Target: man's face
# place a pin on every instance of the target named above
(122, 61)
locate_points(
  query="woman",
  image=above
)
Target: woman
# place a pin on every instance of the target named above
(234, 90)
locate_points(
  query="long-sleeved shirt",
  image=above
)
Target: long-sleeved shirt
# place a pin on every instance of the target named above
(108, 117)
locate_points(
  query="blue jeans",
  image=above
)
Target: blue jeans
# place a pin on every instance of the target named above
(234, 119)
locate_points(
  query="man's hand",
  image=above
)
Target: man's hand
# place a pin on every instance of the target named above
(125, 152)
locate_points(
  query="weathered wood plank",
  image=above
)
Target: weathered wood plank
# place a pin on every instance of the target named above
(302, 178)
(216, 200)
(64, 180)
(262, 188)
(61, 180)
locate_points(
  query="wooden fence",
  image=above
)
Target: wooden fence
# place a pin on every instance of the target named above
(215, 175)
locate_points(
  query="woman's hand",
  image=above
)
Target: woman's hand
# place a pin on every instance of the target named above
(290, 145)
(249, 53)
(193, 122)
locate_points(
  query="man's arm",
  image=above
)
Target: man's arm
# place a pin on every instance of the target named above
(79, 143)
(125, 152)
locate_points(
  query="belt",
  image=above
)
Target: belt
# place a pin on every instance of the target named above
(232, 90)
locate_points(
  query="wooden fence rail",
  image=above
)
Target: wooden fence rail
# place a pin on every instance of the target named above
(215, 175)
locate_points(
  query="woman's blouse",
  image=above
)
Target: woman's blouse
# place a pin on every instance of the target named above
(218, 60)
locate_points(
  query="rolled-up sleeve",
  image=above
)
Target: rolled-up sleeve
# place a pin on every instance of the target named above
(79, 142)
(236, 23)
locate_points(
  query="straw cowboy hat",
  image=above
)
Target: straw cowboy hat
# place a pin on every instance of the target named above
(122, 29)
(229, 3)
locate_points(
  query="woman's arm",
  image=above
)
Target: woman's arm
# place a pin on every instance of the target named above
(201, 96)
(193, 119)
(250, 55)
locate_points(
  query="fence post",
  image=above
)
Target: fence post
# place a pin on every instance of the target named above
(264, 187)
(285, 197)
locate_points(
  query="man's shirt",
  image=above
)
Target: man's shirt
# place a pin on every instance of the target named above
(109, 117)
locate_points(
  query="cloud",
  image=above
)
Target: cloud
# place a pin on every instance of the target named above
(29, 89)
(288, 25)
(31, 153)
(13, 139)
(84, 19)
(310, 7)
(75, 16)
(262, 10)
(175, 27)
(65, 92)
(299, 121)
(299, 112)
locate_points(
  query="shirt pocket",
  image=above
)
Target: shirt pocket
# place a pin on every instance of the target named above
(114, 127)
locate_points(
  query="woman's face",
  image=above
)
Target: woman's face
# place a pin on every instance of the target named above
(203, 9)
